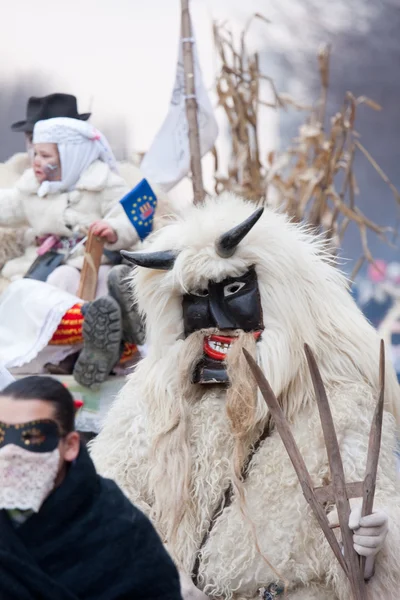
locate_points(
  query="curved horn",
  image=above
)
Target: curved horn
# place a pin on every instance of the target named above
(227, 243)
(162, 261)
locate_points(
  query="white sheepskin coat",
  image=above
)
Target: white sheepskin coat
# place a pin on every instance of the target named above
(23, 215)
(304, 299)
(97, 191)
(12, 169)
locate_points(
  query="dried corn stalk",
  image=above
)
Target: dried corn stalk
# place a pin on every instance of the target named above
(238, 89)
(313, 179)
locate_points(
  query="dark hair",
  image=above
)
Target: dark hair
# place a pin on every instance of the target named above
(47, 389)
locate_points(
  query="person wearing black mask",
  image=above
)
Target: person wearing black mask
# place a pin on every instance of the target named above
(65, 532)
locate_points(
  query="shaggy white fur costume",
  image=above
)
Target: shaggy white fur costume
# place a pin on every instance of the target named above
(164, 435)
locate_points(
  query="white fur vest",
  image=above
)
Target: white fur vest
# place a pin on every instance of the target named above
(276, 516)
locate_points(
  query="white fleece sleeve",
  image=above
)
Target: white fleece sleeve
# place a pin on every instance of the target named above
(127, 234)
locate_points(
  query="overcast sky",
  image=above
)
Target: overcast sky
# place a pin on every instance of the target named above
(118, 57)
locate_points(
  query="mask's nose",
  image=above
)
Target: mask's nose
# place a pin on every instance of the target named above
(218, 311)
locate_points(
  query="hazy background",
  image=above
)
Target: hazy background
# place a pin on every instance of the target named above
(118, 57)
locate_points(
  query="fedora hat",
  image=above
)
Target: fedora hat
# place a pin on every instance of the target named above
(49, 107)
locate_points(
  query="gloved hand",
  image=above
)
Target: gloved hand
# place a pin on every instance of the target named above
(369, 532)
(369, 535)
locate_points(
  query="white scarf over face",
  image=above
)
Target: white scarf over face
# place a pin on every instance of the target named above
(26, 478)
(79, 145)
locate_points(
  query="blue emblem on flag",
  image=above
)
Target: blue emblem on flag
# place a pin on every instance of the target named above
(140, 206)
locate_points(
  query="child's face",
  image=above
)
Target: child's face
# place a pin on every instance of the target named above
(46, 163)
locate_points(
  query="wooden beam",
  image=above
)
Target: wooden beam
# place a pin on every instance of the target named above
(191, 104)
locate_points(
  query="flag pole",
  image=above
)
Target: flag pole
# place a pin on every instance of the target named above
(191, 104)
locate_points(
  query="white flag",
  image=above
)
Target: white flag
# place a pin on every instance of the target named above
(168, 159)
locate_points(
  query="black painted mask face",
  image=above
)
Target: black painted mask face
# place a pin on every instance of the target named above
(35, 436)
(233, 303)
(229, 305)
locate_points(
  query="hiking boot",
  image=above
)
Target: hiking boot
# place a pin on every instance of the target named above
(119, 287)
(102, 336)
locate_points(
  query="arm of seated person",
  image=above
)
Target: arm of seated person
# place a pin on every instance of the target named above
(114, 215)
(125, 235)
(102, 229)
(117, 232)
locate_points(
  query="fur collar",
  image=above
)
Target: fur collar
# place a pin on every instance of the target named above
(27, 183)
(19, 162)
(96, 177)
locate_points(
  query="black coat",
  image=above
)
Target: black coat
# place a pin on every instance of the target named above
(86, 543)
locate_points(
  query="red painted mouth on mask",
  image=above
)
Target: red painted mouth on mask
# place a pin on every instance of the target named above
(217, 346)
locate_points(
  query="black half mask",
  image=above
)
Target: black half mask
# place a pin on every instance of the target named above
(36, 436)
(233, 303)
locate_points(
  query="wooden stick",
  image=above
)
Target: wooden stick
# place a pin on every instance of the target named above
(356, 576)
(325, 494)
(88, 282)
(374, 447)
(191, 105)
(296, 458)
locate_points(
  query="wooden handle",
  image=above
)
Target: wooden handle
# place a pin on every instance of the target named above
(93, 253)
(354, 573)
(374, 447)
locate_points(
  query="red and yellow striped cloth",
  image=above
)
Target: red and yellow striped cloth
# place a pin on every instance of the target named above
(69, 331)
(129, 351)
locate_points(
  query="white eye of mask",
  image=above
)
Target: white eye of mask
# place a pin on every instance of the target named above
(26, 478)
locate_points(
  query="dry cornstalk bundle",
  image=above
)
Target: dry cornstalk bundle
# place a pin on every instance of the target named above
(238, 90)
(313, 180)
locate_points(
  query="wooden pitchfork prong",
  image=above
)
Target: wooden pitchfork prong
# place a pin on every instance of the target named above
(374, 447)
(338, 492)
(295, 456)
(355, 574)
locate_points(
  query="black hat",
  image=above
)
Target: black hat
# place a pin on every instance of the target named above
(49, 107)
